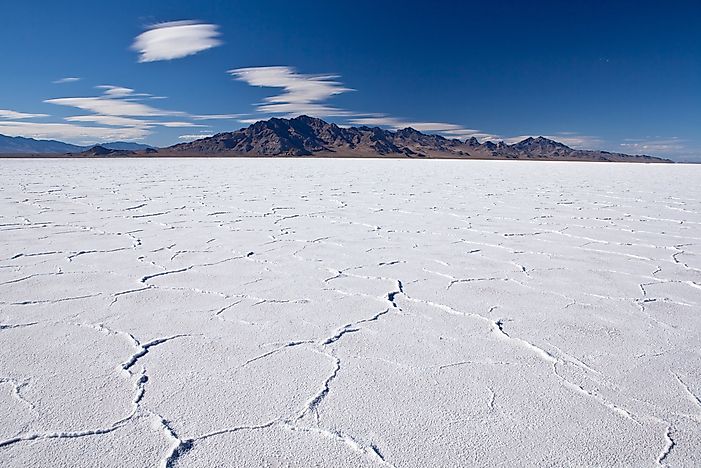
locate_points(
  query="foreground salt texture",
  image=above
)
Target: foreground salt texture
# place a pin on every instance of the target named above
(349, 313)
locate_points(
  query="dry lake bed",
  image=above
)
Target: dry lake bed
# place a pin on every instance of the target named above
(344, 313)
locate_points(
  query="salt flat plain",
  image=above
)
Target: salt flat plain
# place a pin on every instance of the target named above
(277, 312)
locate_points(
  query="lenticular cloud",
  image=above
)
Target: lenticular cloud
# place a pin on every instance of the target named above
(176, 39)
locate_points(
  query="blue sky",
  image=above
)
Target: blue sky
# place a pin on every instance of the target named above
(621, 76)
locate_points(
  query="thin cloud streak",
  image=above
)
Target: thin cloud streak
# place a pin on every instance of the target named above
(447, 130)
(115, 101)
(306, 95)
(117, 91)
(568, 138)
(110, 120)
(655, 145)
(176, 39)
(216, 116)
(301, 94)
(70, 132)
(117, 113)
(117, 121)
(69, 79)
(14, 115)
(195, 137)
(106, 105)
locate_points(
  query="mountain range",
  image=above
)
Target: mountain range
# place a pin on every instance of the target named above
(308, 136)
(21, 145)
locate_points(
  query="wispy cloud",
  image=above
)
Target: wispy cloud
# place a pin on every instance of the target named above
(117, 91)
(176, 124)
(109, 106)
(14, 115)
(69, 79)
(570, 139)
(70, 132)
(467, 133)
(216, 116)
(448, 130)
(249, 121)
(176, 39)
(307, 94)
(301, 93)
(111, 120)
(113, 103)
(120, 106)
(119, 112)
(392, 122)
(117, 121)
(657, 145)
(195, 137)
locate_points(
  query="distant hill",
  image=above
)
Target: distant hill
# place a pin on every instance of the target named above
(308, 136)
(30, 145)
(21, 145)
(125, 146)
(102, 151)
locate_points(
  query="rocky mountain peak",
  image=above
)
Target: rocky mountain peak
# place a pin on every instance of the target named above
(540, 142)
(99, 150)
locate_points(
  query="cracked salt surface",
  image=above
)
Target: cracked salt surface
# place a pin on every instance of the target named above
(254, 312)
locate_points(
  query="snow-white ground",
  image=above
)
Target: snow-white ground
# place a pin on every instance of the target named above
(268, 312)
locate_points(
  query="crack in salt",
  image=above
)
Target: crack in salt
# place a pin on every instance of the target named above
(667, 449)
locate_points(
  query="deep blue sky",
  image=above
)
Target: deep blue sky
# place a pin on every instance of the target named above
(622, 76)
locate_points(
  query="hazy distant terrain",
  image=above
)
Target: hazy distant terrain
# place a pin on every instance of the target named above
(263, 312)
(20, 145)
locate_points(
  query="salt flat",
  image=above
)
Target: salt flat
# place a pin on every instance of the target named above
(277, 312)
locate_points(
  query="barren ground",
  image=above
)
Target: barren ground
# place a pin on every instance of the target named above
(270, 312)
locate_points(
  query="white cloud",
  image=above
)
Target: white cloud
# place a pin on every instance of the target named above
(466, 134)
(655, 145)
(671, 147)
(448, 130)
(118, 113)
(116, 101)
(69, 79)
(306, 95)
(10, 114)
(129, 122)
(106, 105)
(380, 121)
(70, 132)
(436, 127)
(118, 107)
(397, 124)
(178, 124)
(302, 94)
(568, 138)
(110, 120)
(176, 39)
(216, 116)
(194, 137)
(578, 141)
(116, 91)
